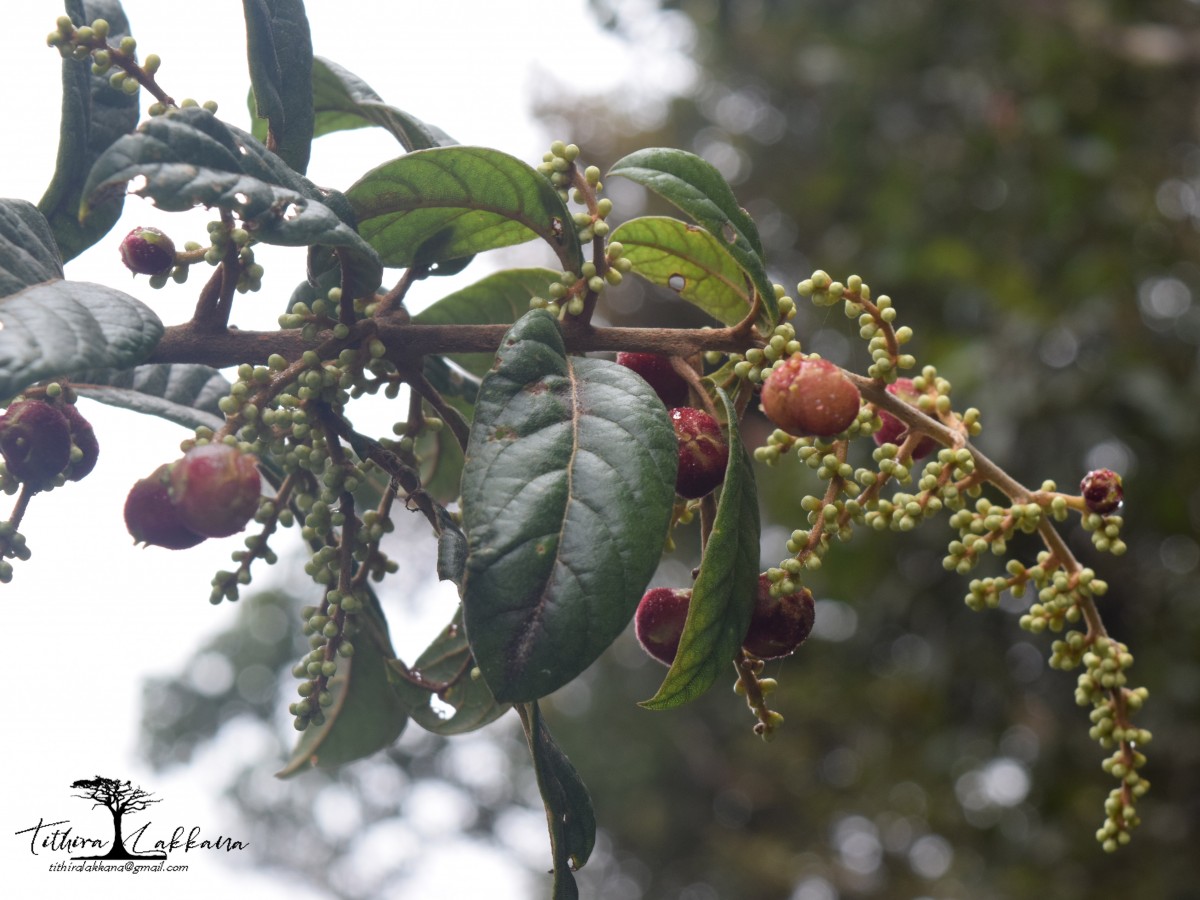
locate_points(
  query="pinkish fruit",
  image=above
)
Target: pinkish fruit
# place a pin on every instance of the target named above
(657, 371)
(216, 489)
(810, 397)
(35, 439)
(147, 251)
(659, 620)
(152, 518)
(703, 453)
(778, 625)
(1102, 491)
(893, 431)
(83, 439)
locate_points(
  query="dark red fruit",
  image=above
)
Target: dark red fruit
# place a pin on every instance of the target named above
(893, 430)
(1102, 490)
(147, 251)
(216, 489)
(810, 397)
(659, 620)
(670, 386)
(778, 625)
(152, 518)
(83, 439)
(35, 439)
(703, 453)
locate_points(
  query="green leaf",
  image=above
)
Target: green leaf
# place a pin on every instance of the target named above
(279, 50)
(28, 252)
(567, 492)
(569, 812)
(342, 101)
(94, 114)
(723, 593)
(698, 189)
(50, 327)
(441, 462)
(184, 393)
(688, 260)
(449, 658)
(188, 158)
(448, 202)
(498, 299)
(366, 715)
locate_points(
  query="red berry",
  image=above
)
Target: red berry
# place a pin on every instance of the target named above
(152, 518)
(216, 489)
(893, 431)
(1102, 490)
(703, 453)
(659, 620)
(670, 386)
(778, 625)
(83, 439)
(35, 439)
(147, 251)
(810, 397)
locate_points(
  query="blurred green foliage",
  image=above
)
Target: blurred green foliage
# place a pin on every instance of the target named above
(1024, 180)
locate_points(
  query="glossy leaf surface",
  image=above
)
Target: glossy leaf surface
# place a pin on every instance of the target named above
(723, 593)
(446, 659)
(567, 488)
(689, 261)
(94, 114)
(279, 51)
(569, 813)
(498, 299)
(184, 393)
(693, 185)
(441, 204)
(188, 158)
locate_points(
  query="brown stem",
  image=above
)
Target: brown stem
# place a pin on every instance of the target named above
(192, 343)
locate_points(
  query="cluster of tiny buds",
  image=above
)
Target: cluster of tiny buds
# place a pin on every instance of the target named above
(321, 315)
(328, 628)
(91, 41)
(755, 364)
(158, 108)
(874, 320)
(557, 165)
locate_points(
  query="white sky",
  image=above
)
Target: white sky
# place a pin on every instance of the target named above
(90, 615)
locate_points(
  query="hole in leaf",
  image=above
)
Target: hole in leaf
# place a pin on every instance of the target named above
(137, 184)
(292, 211)
(677, 283)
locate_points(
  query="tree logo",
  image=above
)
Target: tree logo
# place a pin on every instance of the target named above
(119, 798)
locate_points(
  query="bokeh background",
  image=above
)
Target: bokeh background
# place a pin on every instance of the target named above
(1024, 180)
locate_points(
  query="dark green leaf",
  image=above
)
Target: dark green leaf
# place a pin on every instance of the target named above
(449, 202)
(279, 49)
(186, 394)
(188, 158)
(367, 715)
(28, 253)
(723, 594)
(689, 261)
(448, 658)
(698, 189)
(498, 299)
(94, 114)
(567, 490)
(343, 100)
(58, 328)
(569, 812)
